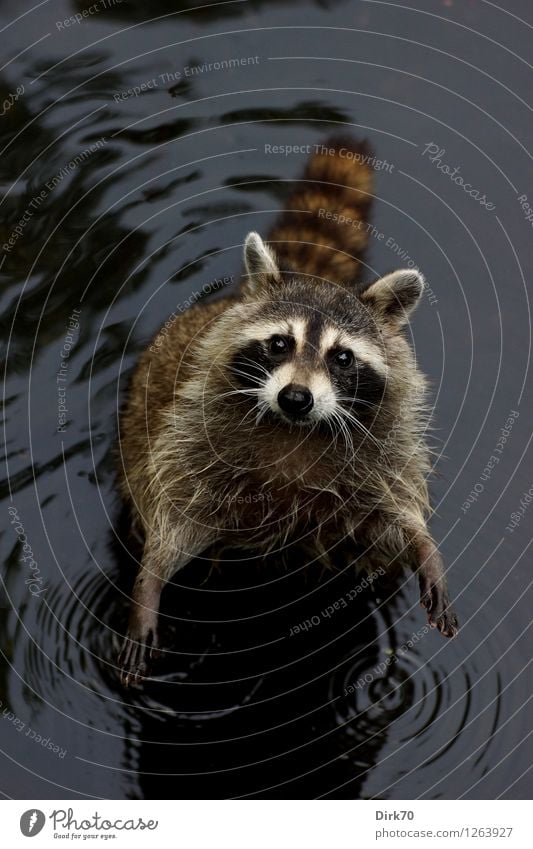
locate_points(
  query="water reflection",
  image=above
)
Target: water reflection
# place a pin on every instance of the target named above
(128, 231)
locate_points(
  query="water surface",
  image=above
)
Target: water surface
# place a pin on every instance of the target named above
(123, 203)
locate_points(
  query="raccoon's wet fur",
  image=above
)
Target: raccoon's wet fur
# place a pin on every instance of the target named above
(289, 413)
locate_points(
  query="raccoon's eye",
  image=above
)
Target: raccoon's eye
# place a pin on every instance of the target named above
(278, 345)
(344, 359)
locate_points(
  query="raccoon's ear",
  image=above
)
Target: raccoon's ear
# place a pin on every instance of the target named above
(260, 262)
(395, 296)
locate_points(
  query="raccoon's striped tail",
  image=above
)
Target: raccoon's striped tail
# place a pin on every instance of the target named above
(323, 230)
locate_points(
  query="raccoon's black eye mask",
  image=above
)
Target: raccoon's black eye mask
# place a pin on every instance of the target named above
(358, 385)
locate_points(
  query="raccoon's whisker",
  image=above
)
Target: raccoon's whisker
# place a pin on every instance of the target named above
(252, 392)
(344, 432)
(263, 407)
(349, 441)
(337, 430)
(249, 413)
(257, 365)
(345, 417)
(350, 417)
(359, 425)
(334, 432)
(259, 380)
(355, 401)
(201, 369)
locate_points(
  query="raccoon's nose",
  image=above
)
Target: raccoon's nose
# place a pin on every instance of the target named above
(295, 400)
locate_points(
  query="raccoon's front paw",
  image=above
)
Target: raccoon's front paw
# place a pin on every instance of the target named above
(135, 657)
(441, 615)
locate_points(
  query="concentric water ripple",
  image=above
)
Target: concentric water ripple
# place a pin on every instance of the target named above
(260, 692)
(419, 701)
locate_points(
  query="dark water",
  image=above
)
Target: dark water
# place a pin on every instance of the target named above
(120, 207)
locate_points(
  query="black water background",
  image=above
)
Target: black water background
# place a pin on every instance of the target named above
(156, 212)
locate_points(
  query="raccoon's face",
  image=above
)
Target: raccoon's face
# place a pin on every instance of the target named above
(304, 368)
(313, 352)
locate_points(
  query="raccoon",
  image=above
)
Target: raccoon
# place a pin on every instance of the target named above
(290, 412)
